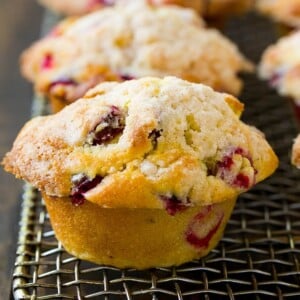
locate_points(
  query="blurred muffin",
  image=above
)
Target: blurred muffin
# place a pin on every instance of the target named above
(296, 152)
(280, 65)
(125, 42)
(142, 173)
(283, 11)
(207, 8)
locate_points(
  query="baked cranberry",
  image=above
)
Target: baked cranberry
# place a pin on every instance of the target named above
(239, 150)
(47, 62)
(93, 3)
(242, 181)
(125, 77)
(82, 184)
(203, 227)
(108, 128)
(225, 170)
(275, 79)
(153, 136)
(62, 81)
(226, 163)
(173, 205)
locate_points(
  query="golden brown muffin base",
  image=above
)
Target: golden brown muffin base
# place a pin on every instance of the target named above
(139, 238)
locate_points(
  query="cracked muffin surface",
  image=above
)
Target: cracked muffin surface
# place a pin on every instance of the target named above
(125, 42)
(160, 142)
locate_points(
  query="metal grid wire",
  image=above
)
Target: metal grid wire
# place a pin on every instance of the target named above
(258, 258)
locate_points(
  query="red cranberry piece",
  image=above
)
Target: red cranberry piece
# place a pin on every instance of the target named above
(77, 199)
(242, 181)
(275, 79)
(203, 227)
(240, 151)
(109, 127)
(173, 205)
(125, 77)
(226, 162)
(93, 3)
(224, 168)
(153, 136)
(82, 184)
(62, 81)
(47, 62)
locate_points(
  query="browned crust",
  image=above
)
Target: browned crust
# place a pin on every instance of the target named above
(236, 106)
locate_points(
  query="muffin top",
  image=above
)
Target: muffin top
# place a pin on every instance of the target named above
(212, 8)
(283, 11)
(280, 65)
(131, 41)
(151, 143)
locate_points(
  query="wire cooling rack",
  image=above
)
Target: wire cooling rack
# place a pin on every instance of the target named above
(258, 257)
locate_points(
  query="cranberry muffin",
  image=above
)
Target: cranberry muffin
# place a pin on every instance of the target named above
(125, 42)
(280, 65)
(206, 8)
(142, 173)
(282, 11)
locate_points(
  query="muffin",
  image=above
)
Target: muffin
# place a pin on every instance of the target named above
(280, 65)
(142, 173)
(126, 42)
(286, 12)
(208, 9)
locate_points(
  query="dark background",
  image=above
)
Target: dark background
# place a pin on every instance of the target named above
(19, 25)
